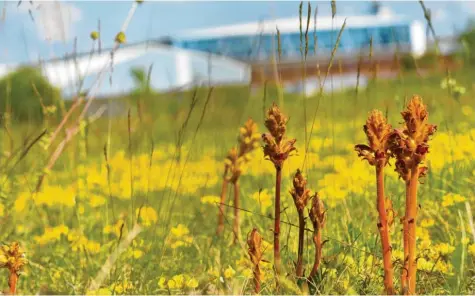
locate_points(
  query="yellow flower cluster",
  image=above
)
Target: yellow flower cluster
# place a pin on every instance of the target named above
(180, 282)
(448, 149)
(148, 215)
(180, 236)
(52, 234)
(451, 199)
(79, 243)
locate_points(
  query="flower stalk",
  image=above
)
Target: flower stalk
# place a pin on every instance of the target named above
(377, 153)
(301, 195)
(277, 149)
(409, 145)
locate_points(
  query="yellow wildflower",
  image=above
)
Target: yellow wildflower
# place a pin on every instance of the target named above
(471, 249)
(137, 254)
(96, 201)
(264, 199)
(171, 284)
(147, 215)
(210, 199)
(162, 282)
(192, 283)
(427, 222)
(467, 110)
(179, 281)
(444, 248)
(52, 234)
(180, 230)
(229, 272)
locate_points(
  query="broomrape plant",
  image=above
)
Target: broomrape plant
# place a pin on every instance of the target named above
(409, 145)
(277, 149)
(12, 257)
(301, 195)
(254, 242)
(248, 140)
(377, 154)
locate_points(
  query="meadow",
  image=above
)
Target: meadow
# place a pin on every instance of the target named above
(170, 165)
(131, 205)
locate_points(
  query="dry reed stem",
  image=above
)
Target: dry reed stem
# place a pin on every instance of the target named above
(70, 133)
(377, 153)
(224, 189)
(254, 242)
(105, 269)
(236, 212)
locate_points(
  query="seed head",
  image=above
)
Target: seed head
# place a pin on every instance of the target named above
(377, 131)
(299, 193)
(94, 35)
(120, 38)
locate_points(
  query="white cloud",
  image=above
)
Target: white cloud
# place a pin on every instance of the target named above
(54, 20)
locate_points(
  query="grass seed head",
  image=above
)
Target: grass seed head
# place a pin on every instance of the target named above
(120, 38)
(94, 35)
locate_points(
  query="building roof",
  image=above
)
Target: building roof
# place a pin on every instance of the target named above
(291, 25)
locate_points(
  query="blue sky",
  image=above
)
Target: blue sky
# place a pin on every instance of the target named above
(21, 39)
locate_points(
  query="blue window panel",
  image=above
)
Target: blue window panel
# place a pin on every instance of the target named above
(385, 36)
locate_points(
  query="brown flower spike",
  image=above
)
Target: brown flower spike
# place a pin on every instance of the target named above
(254, 242)
(318, 217)
(277, 149)
(409, 146)
(248, 140)
(301, 195)
(377, 131)
(377, 153)
(12, 257)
